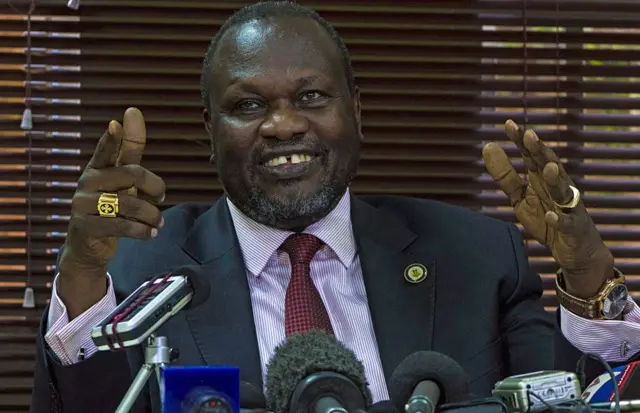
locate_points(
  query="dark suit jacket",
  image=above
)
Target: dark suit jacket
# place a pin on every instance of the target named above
(479, 303)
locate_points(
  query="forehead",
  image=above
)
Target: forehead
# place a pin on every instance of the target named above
(273, 50)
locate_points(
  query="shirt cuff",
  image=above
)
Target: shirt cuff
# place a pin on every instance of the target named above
(67, 338)
(613, 340)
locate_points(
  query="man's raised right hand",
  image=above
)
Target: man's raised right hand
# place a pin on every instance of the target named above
(92, 239)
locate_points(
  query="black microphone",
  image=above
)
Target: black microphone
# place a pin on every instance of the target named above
(384, 406)
(145, 310)
(426, 379)
(251, 399)
(314, 373)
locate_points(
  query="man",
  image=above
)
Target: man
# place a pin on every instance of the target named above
(387, 275)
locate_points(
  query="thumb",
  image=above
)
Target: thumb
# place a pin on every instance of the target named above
(133, 141)
(135, 138)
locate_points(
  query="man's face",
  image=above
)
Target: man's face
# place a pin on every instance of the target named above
(284, 126)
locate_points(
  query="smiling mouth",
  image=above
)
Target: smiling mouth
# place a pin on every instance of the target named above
(291, 166)
(293, 159)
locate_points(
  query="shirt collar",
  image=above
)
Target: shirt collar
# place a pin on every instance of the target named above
(258, 242)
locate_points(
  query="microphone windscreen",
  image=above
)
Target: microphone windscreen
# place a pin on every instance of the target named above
(428, 365)
(251, 397)
(385, 406)
(198, 282)
(304, 354)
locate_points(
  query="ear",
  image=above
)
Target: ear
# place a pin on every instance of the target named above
(206, 118)
(356, 109)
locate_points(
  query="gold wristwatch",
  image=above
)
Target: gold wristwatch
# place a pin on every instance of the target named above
(607, 304)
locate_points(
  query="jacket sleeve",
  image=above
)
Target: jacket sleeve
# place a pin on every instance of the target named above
(96, 384)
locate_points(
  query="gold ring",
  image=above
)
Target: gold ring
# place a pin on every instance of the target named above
(575, 199)
(108, 205)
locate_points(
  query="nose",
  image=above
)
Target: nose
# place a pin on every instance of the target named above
(284, 124)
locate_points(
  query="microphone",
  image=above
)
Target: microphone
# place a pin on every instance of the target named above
(426, 379)
(251, 399)
(314, 373)
(601, 389)
(625, 405)
(384, 406)
(144, 311)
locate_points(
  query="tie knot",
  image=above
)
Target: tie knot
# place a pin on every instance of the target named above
(301, 247)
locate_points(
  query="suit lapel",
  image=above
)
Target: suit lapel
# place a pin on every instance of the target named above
(402, 312)
(223, 327)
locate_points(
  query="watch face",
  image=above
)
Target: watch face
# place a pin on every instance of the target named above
(615, 302)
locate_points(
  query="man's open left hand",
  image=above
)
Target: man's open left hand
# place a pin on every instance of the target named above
(570, 234)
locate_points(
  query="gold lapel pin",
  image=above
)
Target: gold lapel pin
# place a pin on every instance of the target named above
(415, 273)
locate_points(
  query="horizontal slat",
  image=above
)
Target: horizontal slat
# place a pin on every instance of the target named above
(84, 137)
(18, 368)
(370, 66)
(75, 85)
(176, 53)
(47, 35)
(392, 100)
(376, 116)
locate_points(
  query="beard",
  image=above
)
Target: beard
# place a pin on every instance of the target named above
(295, 212)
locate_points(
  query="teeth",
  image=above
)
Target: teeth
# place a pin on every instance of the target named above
(294, 159)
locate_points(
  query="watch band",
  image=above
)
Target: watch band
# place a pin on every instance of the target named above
(589, 308)
(580, 307)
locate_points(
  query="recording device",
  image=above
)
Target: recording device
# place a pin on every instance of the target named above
(149, 307)
(141, 314)
(314, 373)
(533, 392)
(426, 379)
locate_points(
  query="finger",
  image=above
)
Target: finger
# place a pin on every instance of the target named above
(516, 135)
(557, 184)
(101, 227)
(135, 138)
(129, 207)
(503, 172)
(539, 152)
(106, 151)
(122, 178)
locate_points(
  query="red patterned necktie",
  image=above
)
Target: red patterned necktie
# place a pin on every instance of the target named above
(303, 307)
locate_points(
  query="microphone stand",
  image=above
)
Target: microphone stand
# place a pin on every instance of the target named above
(157, 354)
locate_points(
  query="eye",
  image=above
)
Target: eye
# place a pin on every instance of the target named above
(248, 106)
(311, 96)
